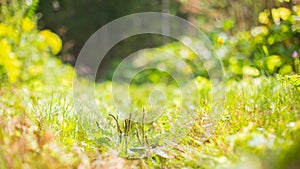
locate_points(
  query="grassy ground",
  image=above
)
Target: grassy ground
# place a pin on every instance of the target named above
(259, 128)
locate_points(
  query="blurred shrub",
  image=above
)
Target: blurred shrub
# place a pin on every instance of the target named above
(26, 53)
(269, 48)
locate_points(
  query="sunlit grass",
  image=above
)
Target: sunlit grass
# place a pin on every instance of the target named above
(260, 124)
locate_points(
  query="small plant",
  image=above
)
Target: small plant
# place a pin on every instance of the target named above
(132, 139)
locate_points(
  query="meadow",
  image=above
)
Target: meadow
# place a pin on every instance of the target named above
(42, 124)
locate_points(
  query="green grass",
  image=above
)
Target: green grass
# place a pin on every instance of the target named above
(259, 128)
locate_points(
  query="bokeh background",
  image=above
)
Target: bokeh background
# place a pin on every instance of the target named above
(41, 125)
(252, 37)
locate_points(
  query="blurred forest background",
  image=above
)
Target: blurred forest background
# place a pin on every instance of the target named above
(251, 35)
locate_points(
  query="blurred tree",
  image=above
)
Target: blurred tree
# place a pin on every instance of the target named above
(76, 20)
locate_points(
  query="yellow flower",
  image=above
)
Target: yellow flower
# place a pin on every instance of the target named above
(3, 29)
(221, 39)
(284, 13)
(52, 41)
(276, 16)
(27, 24)
(5, 49)
(10, 62)
(280, 13)
(264, 17)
